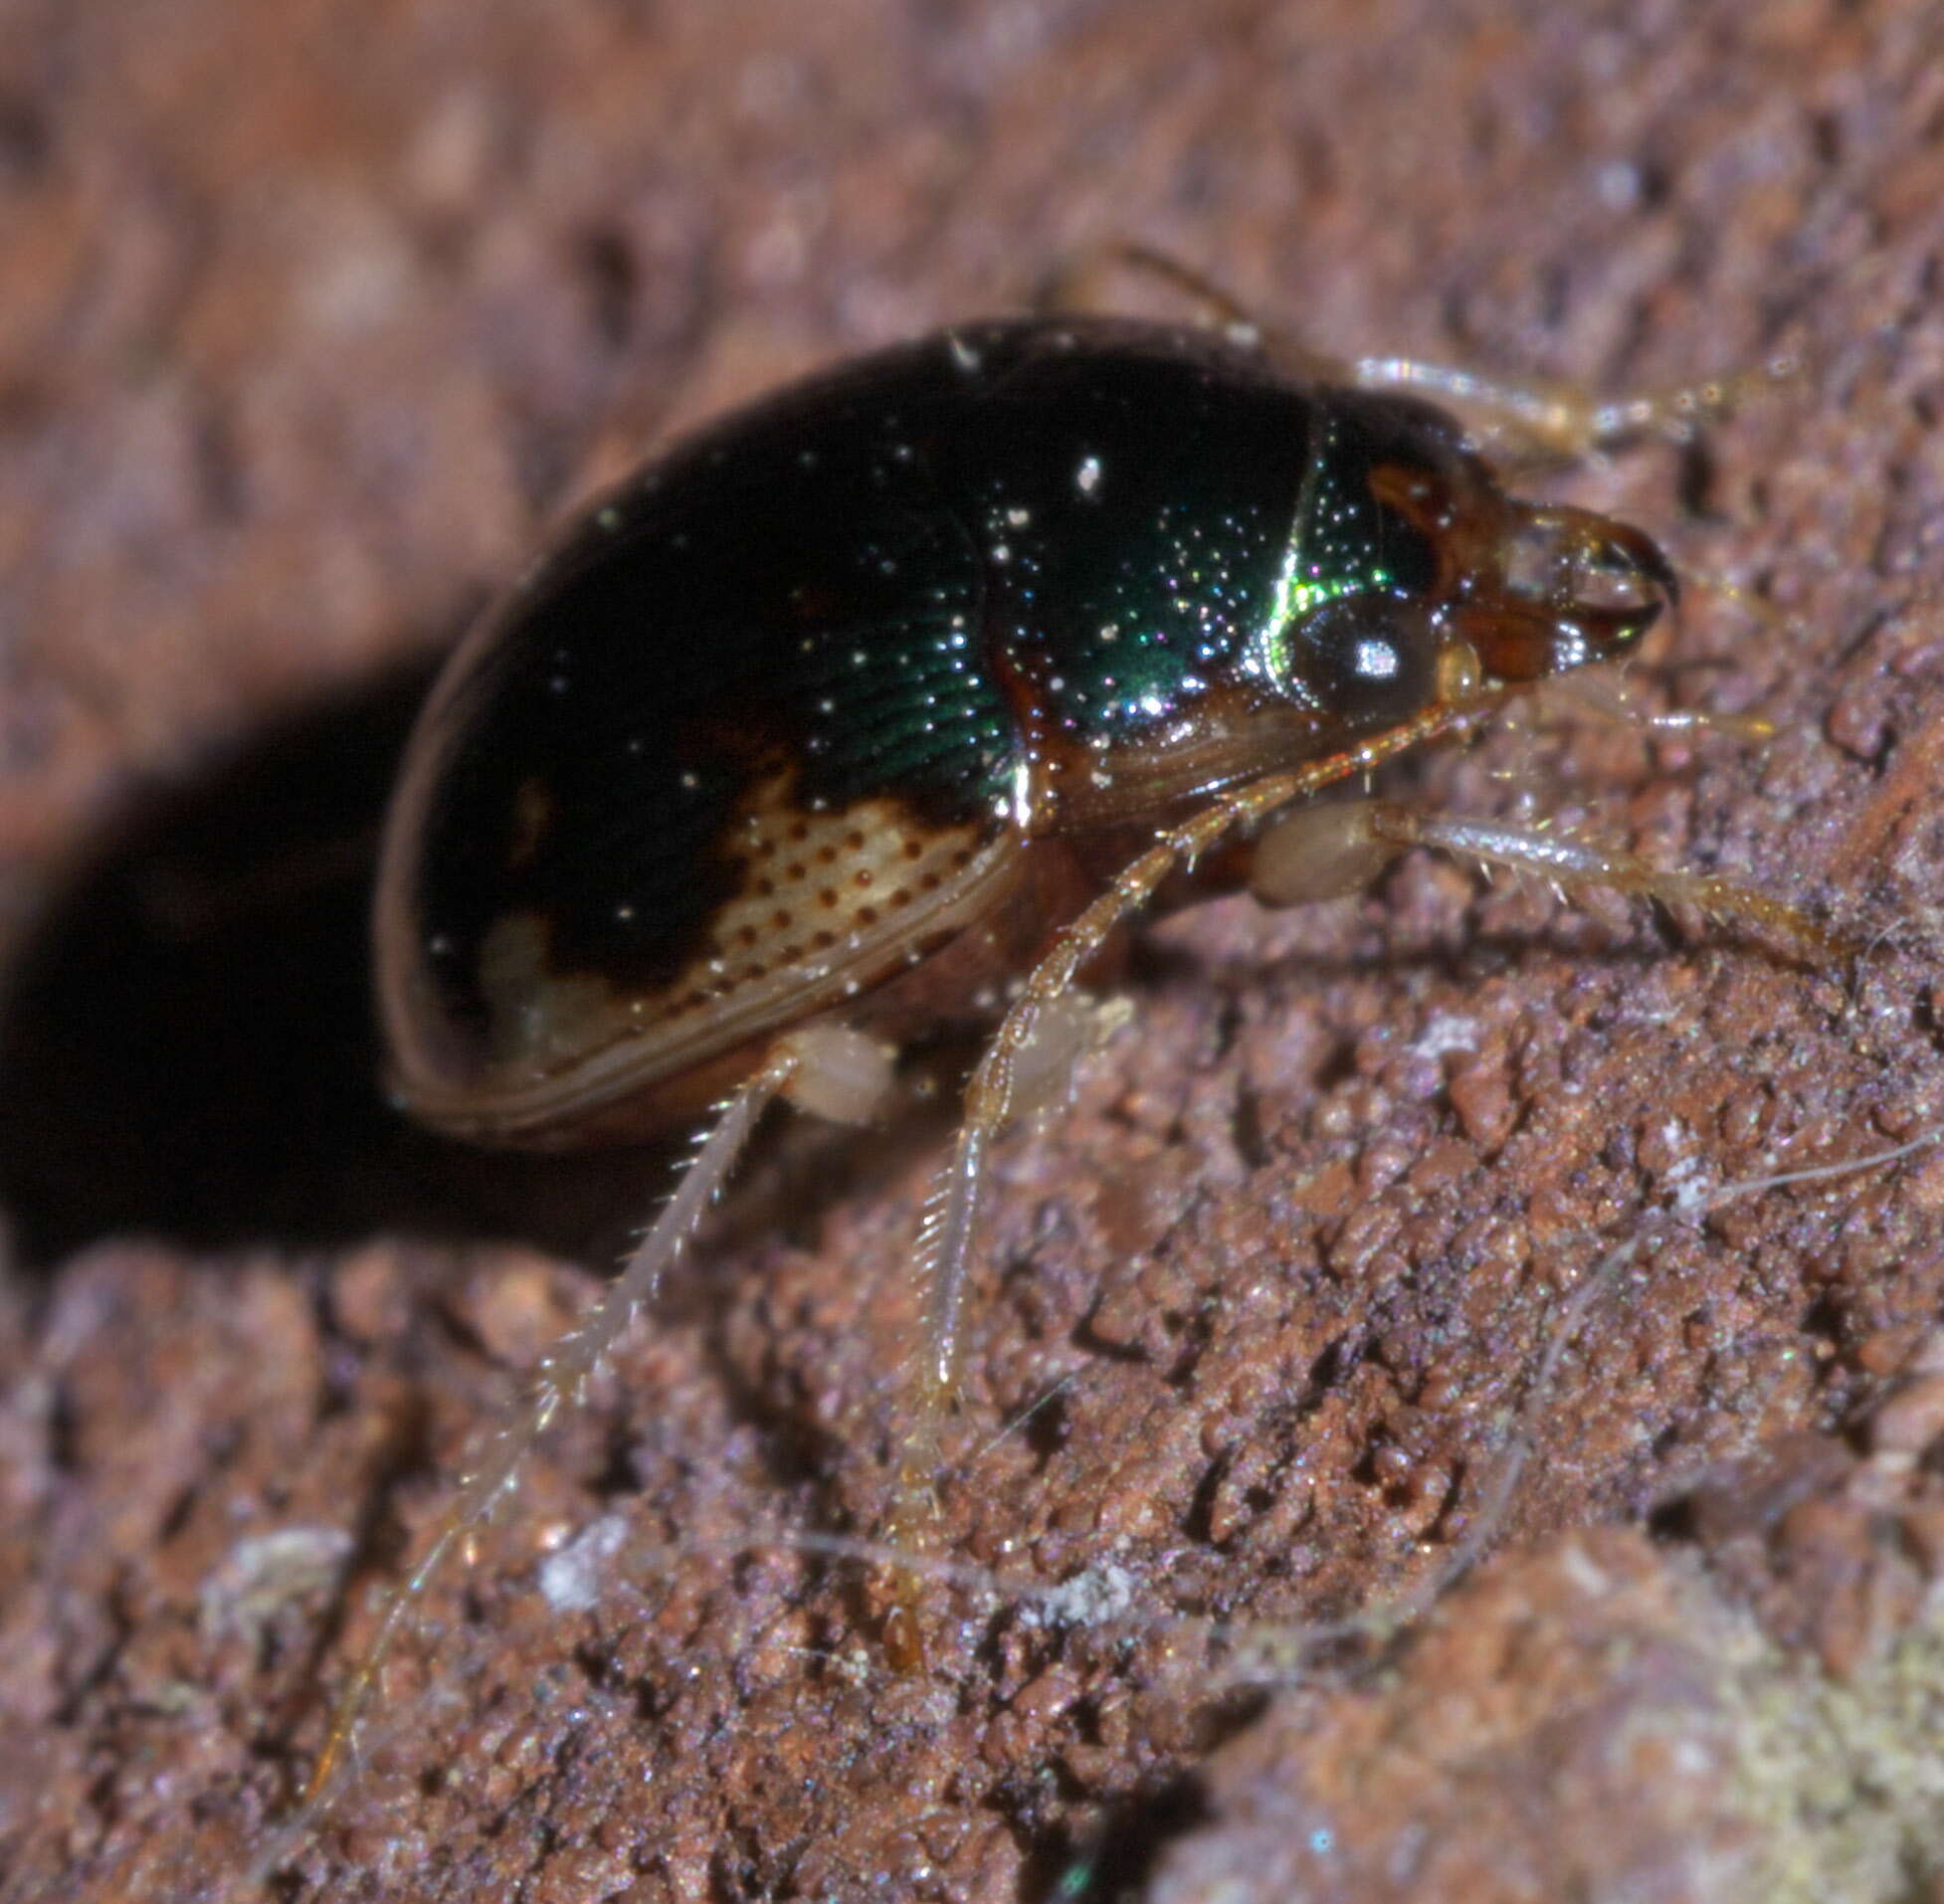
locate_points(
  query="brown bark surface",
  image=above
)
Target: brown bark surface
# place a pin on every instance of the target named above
(314, 316)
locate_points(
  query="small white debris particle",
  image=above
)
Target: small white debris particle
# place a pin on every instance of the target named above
(1447, 1034)
(571, 1578)
(1090, 1599)
(263, 1573)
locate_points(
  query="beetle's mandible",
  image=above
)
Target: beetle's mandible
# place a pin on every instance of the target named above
(886, 700)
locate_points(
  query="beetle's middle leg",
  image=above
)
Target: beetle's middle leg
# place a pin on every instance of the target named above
(993, 1095)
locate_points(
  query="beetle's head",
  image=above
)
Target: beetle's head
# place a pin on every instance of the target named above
(1521, 593)
(1571, 588)
(1516, 592)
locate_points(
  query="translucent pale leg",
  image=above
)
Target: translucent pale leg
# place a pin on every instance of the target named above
(1534, 420)
(1071, 1027)
(1522, 419)
(1583, 694)
(1080, 286)
(945, 1247)
(831, 1071)
(1321, 852)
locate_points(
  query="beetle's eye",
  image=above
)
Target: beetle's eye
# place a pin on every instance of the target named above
(1369, 660)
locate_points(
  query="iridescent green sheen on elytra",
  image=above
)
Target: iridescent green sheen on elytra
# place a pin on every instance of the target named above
(894, 581)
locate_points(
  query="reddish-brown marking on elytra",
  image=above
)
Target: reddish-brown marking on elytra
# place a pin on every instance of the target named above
(534, 812)
(1053, 760)
(629, 1053)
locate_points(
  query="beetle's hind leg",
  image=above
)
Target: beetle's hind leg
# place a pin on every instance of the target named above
(822, 1069)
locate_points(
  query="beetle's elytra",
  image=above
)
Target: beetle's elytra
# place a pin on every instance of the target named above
(888, 699)
(870, 676)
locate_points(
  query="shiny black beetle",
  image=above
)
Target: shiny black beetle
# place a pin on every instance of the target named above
(889, 699)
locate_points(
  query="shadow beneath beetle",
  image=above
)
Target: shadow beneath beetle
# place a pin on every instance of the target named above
(187, 1045)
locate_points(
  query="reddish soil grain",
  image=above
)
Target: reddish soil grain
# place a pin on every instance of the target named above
(315, 315)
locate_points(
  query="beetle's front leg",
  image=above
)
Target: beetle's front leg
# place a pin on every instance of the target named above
(1531, 421)
(1327, 849)
(1582, 696)
(1523, 420)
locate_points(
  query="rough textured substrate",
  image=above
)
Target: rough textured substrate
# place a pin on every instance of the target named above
(313, 314)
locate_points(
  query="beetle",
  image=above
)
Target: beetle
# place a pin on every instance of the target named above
(891, 698)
